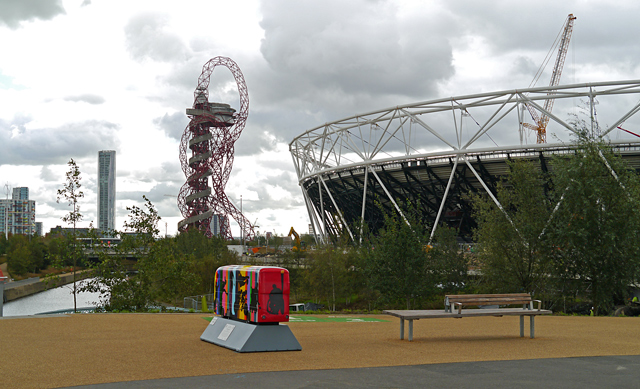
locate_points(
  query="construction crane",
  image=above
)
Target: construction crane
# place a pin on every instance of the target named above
(540, 122)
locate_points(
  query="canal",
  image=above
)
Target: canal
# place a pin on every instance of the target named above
(56, 299)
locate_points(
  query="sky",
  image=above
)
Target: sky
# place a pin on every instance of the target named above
(80, 76)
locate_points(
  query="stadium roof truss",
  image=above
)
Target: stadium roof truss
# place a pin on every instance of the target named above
(352, 171)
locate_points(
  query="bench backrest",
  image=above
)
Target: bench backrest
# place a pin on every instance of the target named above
(486, 299)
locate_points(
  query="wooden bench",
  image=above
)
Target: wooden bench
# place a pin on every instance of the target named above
(455, 303)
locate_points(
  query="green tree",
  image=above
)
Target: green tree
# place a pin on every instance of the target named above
(206, 255)
(514, 250)
(143, 223)
(4, 243)
(446, 261)
(395, 263)
(329, 273)
(72, 194)
(596, 228)
(19, 256)
(127, 288)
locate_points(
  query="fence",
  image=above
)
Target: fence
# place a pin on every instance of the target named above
(195, 302)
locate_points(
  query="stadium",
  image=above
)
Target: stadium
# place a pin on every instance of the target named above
(353, 171)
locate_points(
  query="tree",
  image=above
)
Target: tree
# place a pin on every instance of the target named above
(144, 223)
(19, 256)
(127, 290)
(396, 262)
(596, 228)
(514, 248)
(4, 243)
(71, 193)
(328, 273)
(446, 261)
(207, 254)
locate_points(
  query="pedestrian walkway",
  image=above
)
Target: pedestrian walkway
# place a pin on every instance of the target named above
(585, 372)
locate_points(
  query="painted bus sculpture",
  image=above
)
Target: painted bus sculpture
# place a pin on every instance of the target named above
(254, 294)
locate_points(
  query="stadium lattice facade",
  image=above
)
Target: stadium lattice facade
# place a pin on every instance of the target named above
(353, 171)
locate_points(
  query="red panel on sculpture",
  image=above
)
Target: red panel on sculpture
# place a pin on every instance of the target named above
(257, 294)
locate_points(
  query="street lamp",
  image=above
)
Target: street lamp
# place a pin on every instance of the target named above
(6, 213)
(242, 226)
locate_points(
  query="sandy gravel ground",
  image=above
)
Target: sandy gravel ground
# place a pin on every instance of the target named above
(46, 352)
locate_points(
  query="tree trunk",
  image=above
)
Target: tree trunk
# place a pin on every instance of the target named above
(333, 290)
(75, 291)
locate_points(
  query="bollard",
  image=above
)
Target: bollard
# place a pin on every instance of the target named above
(2, 279)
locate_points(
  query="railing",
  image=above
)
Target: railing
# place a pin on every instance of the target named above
(195, 302)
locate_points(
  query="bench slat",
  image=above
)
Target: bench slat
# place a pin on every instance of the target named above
(437, 314)
(462, 300)
(516, 298)
(489, 295)
(492, 299)
(490, 302)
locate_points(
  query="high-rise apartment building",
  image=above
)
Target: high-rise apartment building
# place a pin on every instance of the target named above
(21, 193)
(106, 190)
(18, 214)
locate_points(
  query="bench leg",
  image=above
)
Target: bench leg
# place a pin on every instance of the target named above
(532, 326)
(401, 328)
(410, 330)
(522, 326)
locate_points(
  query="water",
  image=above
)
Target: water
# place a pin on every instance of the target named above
(50, 300)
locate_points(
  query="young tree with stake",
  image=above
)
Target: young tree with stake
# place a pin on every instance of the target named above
(71, 193)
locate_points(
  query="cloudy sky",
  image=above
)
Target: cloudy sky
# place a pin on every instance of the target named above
(79, 76)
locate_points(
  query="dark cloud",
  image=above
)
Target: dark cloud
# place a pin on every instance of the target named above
(148, 37)
(184, 76)
(162, 196)
(359, 47)
(173, 124)
(47, 175)
(603, 32)
(169, 173)
(12, 12)
(20, 145)
(86, 98)
(323, 62)
(284, 180)
(524, 66)
(254, 142)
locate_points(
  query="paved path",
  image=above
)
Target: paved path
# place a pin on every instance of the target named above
(585, 372)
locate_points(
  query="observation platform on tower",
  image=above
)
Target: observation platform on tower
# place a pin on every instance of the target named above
(221, 114)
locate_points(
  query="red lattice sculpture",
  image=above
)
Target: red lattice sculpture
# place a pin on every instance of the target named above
(210, 136)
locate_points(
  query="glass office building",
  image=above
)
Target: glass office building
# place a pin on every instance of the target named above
(106, 190)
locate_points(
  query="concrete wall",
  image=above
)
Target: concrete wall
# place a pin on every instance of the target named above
(14, 293)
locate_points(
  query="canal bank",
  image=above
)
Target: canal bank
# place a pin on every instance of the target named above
(18, 289)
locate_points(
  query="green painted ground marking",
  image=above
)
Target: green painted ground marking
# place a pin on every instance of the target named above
(335, 319)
